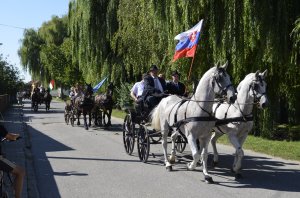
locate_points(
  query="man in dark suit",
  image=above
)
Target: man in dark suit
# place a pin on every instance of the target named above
(176, 87)
(154, 88)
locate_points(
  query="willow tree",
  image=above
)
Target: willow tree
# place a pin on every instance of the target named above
(123, 38)
(29, 53)
(92, 24)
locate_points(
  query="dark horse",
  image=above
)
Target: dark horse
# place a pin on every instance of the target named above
(47, 99)
(84, 104)
(35, 99)
(103, 105)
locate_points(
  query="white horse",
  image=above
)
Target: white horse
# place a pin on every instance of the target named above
(194, 116)
(251, 90)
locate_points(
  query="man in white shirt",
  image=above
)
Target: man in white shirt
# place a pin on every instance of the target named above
(137, 89)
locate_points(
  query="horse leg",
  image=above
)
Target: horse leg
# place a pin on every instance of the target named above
(164, 143)
(213, 141)
(84, 120)
(239, 154)
(109, 117)
(173, 152)
(95, 114)
(204, 156)
(78, 116)
(195, 152)
(90, 118)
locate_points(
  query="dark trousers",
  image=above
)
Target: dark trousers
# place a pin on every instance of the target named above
(152, 101)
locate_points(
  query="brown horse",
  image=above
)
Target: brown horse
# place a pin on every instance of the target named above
(84, 104)
(103, 107)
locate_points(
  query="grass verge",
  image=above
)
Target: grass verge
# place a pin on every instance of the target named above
(118, 113)
(282, 149)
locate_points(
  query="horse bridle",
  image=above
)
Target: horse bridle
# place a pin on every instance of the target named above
(255, 94)
(216, 81)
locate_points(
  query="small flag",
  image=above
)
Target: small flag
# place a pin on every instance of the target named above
(188, 40)
(97, 87)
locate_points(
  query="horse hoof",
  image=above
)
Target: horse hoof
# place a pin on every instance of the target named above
(189, 167)
(169, 168)
(209, 180)
(238, 176)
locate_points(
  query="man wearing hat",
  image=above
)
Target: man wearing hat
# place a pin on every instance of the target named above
(174, 86)
(154, 88)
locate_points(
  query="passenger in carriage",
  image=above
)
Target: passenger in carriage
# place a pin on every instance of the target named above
(175, 86)
(137, 89)
(136, 93)
(154, 88)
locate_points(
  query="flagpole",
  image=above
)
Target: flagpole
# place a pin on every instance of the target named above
(191, 67)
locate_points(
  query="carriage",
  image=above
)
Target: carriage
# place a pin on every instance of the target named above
(136, 128)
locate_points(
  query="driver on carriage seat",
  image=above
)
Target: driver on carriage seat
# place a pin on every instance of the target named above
(154, 88)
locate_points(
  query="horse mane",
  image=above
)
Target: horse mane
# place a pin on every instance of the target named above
(246, 79)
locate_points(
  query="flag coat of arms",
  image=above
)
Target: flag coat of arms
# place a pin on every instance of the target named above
(188, 41)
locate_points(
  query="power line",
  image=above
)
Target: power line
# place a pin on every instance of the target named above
(11, 26)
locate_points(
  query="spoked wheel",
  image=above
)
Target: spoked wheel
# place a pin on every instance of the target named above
(128, 134)
(180, 143)
(143, 143)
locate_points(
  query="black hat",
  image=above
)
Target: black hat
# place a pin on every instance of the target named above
(175, 73)
(153, 67)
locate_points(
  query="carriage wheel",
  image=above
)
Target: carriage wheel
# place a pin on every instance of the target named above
(128, 134)
(67, 117)
(180, 144)
(143, 143)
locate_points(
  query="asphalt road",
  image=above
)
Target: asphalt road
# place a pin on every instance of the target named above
(74, 162)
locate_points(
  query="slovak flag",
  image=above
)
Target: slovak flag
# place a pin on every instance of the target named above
(188, 41)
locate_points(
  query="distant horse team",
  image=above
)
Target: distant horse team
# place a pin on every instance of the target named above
(97, 108)
(38, 97)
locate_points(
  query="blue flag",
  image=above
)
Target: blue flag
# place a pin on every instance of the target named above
(97, 87)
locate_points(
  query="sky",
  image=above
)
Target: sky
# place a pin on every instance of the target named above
(17, 15)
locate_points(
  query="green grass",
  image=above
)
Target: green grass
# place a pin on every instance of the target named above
(118, 113)
(283, 149)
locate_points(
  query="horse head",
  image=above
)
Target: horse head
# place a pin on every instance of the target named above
(222, 84)
(110, 89)
(88, 90)
(258, 88)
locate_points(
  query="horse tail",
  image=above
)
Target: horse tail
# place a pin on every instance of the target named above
(155, 118)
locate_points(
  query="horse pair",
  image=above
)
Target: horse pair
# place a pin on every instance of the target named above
(39, 98)
(88, 105)
(197, 117)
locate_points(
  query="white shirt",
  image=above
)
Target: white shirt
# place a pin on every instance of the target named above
(138, 88)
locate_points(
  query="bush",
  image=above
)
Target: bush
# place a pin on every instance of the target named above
(123, 96)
